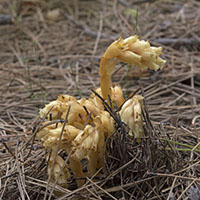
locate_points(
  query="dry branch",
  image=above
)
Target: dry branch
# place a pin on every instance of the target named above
(5, 19)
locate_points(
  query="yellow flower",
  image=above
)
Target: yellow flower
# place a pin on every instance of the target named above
(132, 51)
(131, 114)
(59, 171)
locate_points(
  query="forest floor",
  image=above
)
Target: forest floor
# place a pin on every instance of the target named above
(44, 54)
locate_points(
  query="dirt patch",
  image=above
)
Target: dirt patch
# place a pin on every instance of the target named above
(42, 57)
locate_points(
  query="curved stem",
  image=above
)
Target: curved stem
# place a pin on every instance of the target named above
(106, 69)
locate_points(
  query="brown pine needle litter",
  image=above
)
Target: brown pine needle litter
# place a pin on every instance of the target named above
(42, 58)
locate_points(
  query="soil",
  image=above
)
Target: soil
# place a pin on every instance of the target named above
(54, 47)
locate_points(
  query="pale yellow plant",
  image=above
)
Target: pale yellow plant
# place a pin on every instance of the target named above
(60, 172)
(132, 51)
(131, 114)
(88, 123)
